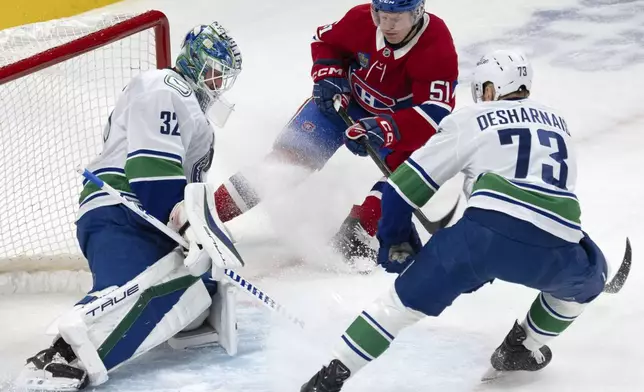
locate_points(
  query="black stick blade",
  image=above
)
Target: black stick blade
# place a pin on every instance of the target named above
(616, 284)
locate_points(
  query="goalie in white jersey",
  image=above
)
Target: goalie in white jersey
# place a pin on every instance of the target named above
(522, 225)
(157, 139)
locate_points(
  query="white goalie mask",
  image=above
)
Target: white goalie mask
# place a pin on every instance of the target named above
(507, 70)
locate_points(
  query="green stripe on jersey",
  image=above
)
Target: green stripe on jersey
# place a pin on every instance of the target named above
(367, 338)
(411, 185)
(565, 207)
(115, 180)
(150, 167)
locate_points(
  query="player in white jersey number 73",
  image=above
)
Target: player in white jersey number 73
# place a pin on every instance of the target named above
(522, 225)
(145, 290)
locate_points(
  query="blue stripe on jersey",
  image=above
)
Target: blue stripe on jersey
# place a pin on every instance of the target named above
(160, 154)
(105, 170)
(528, 206)
(379, 186)
(434, 111)
(539, 331)
(551, 310)
(355, 349)
(129, 196)
(423, 173)
(382, 329)
(159, 197)
(543, 190)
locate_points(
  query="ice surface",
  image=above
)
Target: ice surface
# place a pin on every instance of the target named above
(589, 61)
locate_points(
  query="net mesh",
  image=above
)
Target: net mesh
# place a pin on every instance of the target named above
(52, 121)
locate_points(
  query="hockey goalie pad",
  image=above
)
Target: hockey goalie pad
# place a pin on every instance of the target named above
(208, 229)
(219, 325)
(131, 320)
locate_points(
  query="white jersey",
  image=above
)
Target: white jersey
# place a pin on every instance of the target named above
(517, 158)
(157, 139)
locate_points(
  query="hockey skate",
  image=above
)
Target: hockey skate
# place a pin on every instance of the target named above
(356, 245)
(51, 370)
(328, 379)
(512, 355)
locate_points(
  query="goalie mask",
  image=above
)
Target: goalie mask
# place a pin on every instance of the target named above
(508, 71)
(210, 59)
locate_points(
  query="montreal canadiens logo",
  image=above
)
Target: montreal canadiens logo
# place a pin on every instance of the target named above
(308, 126)
(370, 99)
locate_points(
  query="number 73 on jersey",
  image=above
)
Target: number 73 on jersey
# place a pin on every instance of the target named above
(554, 168)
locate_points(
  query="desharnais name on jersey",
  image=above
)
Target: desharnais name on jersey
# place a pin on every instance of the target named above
(517, 158)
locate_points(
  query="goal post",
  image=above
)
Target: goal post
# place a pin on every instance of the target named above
(59, 81)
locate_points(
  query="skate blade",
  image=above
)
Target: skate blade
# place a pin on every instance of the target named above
(204, 336)
(46, 385)
(35, 380)
(510, 377)
(492, 374)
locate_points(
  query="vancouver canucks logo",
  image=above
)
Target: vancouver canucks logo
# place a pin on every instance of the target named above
(203, 164)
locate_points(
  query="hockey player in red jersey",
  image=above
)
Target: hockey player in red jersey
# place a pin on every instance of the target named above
(395, 67)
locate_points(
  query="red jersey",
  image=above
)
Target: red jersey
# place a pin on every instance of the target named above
(414, 83)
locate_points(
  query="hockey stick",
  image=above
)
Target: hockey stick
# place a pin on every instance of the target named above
(430, 226)
(616, 284)
(234, 277)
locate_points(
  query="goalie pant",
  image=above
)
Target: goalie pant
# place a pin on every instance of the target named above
(119, 245)
(482, 246)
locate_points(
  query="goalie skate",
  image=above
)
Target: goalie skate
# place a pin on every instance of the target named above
(51, 370)
(219, 327)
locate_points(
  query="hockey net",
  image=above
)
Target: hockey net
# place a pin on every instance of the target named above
(59, 81)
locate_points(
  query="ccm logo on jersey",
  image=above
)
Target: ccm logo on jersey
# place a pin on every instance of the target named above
(114, 300)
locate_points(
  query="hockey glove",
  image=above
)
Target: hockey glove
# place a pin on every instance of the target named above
(394, 258)
(196, 260)
(329, 80)
(379, 132)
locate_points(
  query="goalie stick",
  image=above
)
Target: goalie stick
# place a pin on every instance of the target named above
(245, 285)
(429, 225)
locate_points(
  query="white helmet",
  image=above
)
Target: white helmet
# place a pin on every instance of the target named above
(507, 70)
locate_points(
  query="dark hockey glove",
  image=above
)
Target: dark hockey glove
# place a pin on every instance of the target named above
(394, 258)
(329, 80)
(379, 132)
